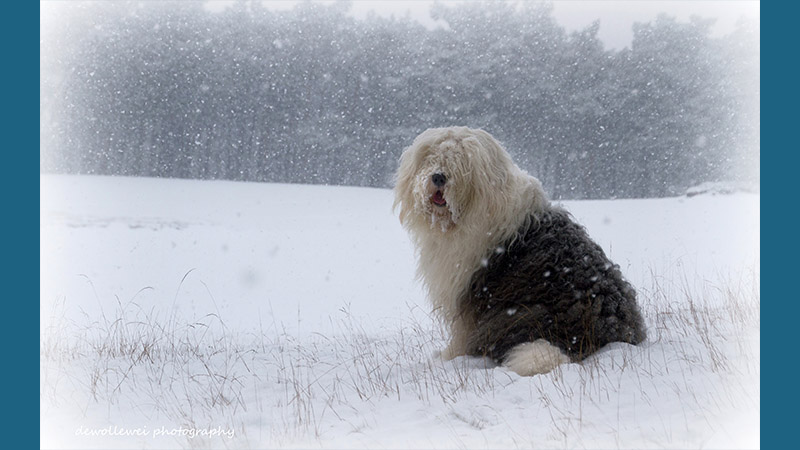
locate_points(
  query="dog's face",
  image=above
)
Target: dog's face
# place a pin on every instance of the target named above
(441, 188)
(446, 175)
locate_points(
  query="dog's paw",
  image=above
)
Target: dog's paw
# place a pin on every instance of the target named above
(449, 353)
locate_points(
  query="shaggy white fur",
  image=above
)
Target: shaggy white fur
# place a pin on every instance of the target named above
(531, 358)
(456, 225)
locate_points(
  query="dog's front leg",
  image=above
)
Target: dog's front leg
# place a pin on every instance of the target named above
(459, 333)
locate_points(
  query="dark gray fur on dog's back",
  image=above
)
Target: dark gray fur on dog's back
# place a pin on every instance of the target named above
(554, 283)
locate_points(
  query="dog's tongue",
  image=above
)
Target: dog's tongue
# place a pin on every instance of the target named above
(438, 198)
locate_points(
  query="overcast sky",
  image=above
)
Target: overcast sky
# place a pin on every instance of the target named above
(616, 17)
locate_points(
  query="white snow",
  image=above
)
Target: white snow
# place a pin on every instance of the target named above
(218, 314)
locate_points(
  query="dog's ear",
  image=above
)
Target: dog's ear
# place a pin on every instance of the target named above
(410, 161)
(490, 162)
(501, 184)
(496, 157)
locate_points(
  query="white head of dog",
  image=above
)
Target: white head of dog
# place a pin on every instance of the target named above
(459, 195)
(456, 180)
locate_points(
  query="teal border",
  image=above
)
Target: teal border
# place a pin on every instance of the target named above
(20, 221)
(779, 261)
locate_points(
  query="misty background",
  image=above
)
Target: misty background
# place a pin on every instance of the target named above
(313, 95)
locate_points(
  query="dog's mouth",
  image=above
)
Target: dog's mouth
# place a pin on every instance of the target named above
(438, 199)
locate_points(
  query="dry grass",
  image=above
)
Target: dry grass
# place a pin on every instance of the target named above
(199, 372)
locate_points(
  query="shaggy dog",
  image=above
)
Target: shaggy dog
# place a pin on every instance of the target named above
(513, 276)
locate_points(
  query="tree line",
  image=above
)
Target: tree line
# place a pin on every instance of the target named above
(312, 95)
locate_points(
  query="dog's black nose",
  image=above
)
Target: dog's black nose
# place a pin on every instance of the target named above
(439, 179)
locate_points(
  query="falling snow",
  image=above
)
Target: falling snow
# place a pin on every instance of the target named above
(313, 95)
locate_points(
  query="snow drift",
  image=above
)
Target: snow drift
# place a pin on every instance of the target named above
(221, 314)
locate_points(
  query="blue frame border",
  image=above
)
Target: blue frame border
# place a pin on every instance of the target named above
(21, 221)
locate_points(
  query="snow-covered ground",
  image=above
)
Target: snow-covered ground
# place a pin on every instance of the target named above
(218, 314)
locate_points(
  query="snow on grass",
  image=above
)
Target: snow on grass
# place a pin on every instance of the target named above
(190, 314)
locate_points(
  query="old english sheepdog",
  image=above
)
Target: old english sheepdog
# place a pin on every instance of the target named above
(512, 275)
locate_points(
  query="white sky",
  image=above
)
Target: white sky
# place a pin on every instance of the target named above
(616, 17)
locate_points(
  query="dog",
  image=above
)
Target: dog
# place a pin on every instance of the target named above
(512, 275)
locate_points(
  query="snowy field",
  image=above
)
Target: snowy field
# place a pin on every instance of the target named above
(200, 314)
